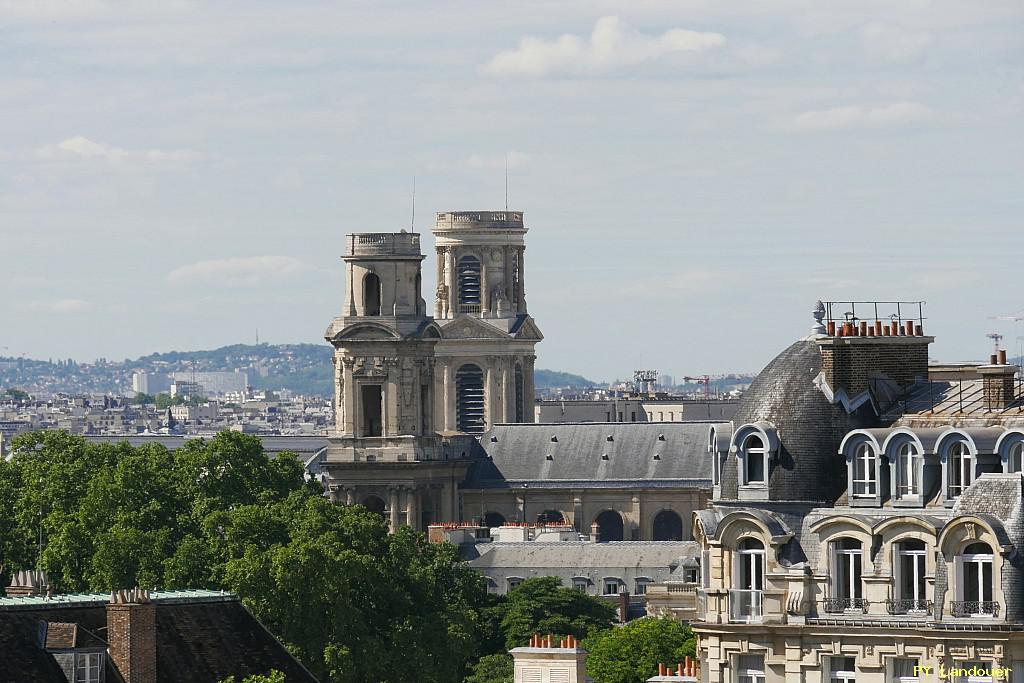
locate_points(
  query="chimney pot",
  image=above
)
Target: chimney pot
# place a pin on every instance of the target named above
(910, 328)
(863, 328)
(878, 328)
(1002, 356)
(993, 359)
(831, 328)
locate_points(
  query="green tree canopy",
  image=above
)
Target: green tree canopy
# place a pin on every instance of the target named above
(631, 653)
(492, 669)
(542, 605)
(274, 676)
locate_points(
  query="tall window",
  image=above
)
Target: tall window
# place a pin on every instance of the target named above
(750, 669)
(373, 424)
(371, 294)
(904, 670)
(1015, 458)
(88, 667)
(865, 470)
(910, 581)
(469, 399)
(755, 461)
(846, 576)
(842, 670)
(960, 466)
(613, 586)
(469, 284)
(974, 582)
(750, 575)
(983, 669)
(908, 465)
(716, 462)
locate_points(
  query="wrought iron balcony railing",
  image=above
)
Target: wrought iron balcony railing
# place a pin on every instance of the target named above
(909, 606)
(839, 605)
(974, 608)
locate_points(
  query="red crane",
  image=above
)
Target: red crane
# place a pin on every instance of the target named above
(702, 379)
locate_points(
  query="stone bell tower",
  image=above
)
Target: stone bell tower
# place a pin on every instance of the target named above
(386, 453)
(485, 360)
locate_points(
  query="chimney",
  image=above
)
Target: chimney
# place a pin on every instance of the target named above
(131, 632)
(623, 606)
(997, 383)
(28, 583)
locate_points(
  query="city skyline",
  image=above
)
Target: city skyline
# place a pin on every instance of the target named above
(195, 169)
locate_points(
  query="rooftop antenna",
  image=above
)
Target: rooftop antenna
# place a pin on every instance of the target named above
(506, 181)
(996, 338)
(257, 336)
(412, 223)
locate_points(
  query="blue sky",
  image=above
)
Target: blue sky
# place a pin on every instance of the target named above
(695, 175)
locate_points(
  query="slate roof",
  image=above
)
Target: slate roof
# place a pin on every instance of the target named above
(518, 454)
(200, 639)
(543, 555)
(810, 428)
(964, 399)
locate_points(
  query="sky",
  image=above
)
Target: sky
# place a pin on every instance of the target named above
(695, 174)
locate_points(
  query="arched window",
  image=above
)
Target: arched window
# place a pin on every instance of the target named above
(668, 526)
(609, 526)
(755, 461)
(1015, 457)
(847, 593)
(520, 397)
(494, 519)
(550, 517)
(371, 294)
(374, 504)
(748, 579)
(865, 470)
(908, 469)
(908, 574)
(469, 284)
(469, 399)
(960, 468)
(974, 583)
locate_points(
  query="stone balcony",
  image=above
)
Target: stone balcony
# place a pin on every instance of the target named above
(383, 244)
(456, 220)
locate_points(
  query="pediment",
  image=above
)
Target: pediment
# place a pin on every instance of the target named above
(529, 330)
(467, 327)
(366, 331)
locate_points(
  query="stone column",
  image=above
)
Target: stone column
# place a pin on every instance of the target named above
(507, 392)
(350, 495)
(638, 528)
(453, 285)
(529, 399)
(449, 396)
(438, 303)
(393, 505)
(490, 395)
(339, 393)
(412, 509)
(348, 397)
(485, 290)
(350, 303)
(521, 303)
(506, 253)
(391, 396)
(521, 507)
(577, 513)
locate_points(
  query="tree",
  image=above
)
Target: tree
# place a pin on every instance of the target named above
(542, 605)
(631, 653)
(143, 398)
(17, 395)
(492, 669)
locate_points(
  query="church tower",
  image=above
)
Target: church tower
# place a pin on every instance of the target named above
(485, 359)
(386, 453)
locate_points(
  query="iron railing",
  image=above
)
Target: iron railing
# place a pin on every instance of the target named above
(974, 608)
(909, 606)
(835, 605)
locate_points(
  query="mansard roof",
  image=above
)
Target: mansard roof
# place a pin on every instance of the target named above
(596, 453)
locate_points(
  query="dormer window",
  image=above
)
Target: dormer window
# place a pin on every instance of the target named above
(974, 583)
(88, 667)
(755, 461)
(847, 592)
(908, 470)
(960, 469)
(865, 471)
(1015, 457)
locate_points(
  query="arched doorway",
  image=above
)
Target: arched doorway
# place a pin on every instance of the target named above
(469, 399)
(550, 517)
(494, 519)
(371, 294)
(609, 525)
(668, 526)
(374, 504)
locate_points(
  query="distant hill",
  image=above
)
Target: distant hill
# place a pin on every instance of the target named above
(301, 368)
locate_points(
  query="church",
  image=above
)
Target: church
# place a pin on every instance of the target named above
(434, 414)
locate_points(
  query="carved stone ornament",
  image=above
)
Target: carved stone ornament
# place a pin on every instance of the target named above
(970, 532)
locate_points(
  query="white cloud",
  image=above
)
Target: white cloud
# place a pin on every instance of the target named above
(513, 159)
(856, 116)
(239, 271)
(888, 43)
(611, 45)
(80, 147)
(57, 306)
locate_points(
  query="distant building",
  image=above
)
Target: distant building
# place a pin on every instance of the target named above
(216, 383)
(185, 389)
(133, 636)
(150, 383)
(634, 409)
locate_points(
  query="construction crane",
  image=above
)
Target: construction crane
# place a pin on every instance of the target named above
(1011, 318)
(701, 379)
(996, 338)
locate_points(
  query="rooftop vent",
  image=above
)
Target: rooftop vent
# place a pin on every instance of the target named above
(549, 457)
(494, 439)
(554, 439)
(661, 437)
(657, 456)
(609, 438)
(604, 456)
